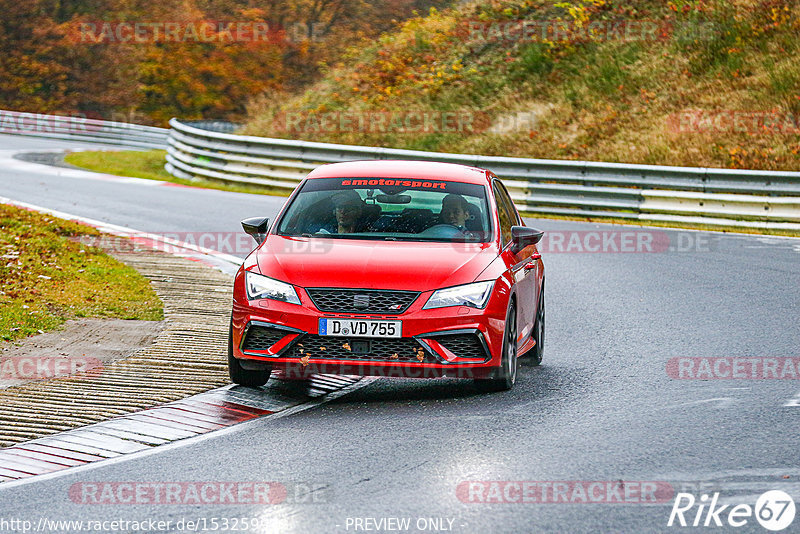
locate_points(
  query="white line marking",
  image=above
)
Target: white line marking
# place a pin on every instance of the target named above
(723, 401)
(794, 402)
(190, 440)
(12, 163)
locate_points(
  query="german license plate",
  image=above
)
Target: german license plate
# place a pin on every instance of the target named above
(360, 328)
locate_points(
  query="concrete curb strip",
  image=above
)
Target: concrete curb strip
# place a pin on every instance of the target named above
(42, 424)
(187, 358)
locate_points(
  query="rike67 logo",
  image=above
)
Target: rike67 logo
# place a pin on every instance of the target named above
(774, 510)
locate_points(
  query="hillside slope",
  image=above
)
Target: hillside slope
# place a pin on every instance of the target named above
(686, 82)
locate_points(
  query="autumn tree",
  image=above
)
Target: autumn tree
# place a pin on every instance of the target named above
(32, 75)
(48, 65)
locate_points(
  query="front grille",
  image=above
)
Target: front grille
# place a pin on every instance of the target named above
(372, 349)
(362, 300)
(262, 337)
(463, 345)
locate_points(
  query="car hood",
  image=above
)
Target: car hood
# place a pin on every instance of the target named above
(417, 266)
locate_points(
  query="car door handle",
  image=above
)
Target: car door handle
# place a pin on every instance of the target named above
(532, 264)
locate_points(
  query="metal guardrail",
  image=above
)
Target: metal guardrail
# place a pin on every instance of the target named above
(716, 197)
(755, 199)
(82, 129)
(215, 125)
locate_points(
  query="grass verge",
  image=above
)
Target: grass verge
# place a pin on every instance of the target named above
(150, 165)
(48, 277)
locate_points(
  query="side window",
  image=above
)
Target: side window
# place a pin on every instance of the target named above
(507, 217)
(506, 199)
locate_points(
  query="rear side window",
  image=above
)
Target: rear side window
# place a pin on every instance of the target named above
(505, 210)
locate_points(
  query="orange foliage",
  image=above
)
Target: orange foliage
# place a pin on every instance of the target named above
(50, 63)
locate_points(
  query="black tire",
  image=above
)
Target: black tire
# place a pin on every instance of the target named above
(506, 376)
(240, 375)
(537, 354)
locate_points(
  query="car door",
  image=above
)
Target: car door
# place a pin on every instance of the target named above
(522, 268)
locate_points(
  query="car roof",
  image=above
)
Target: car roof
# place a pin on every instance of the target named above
(402, 169)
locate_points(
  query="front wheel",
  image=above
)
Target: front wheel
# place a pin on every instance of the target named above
(240, 375)
(507, 375)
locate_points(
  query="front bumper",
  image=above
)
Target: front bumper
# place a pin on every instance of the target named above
(459, 342)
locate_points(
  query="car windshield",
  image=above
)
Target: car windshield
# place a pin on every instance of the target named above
(389, 209)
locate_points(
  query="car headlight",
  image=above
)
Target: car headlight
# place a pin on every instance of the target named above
(473, 295)
(261, 287)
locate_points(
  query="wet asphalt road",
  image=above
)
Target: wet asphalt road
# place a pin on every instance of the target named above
(601, 408)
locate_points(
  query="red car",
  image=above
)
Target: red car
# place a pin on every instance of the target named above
(390, 268)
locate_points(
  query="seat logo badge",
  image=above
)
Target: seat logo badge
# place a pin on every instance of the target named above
(361, 301)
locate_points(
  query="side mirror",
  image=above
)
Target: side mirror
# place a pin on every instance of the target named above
(256, 227)
(522, 237)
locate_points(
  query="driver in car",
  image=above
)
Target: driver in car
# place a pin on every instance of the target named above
(348, 208)
(455, 211)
